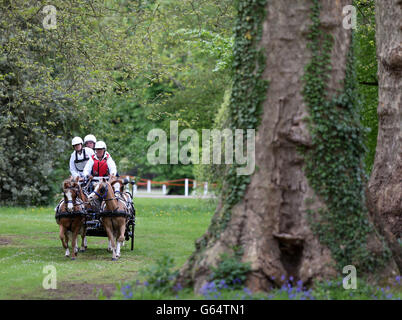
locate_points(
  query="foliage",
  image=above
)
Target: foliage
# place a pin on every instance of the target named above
(291, 289)
(45, 74)
(160, 277)
(248, 93)
(215, 173)
(111, 68)
(179, 80)
(366, 74)
(334, 165)
(230, 272)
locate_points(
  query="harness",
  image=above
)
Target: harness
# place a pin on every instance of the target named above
(71, 214)
(80, 163)
(113, 213)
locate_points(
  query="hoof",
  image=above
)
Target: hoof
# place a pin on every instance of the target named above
(72, 258)
(114, 259)
(82, 250)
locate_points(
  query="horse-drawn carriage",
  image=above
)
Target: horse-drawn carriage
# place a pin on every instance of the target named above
(101, 208)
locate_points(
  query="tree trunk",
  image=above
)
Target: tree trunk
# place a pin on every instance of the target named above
(271, 223)
(385, 186)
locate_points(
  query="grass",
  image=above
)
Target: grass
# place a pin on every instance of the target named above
(164, 238)
(29, 241)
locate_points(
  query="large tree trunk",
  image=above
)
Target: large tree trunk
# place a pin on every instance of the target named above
(385, 186)
(270, 223)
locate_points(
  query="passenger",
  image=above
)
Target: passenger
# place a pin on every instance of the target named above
(89, 141)
(100, 164)
(79, 158)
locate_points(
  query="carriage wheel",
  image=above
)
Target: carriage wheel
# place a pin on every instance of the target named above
(132, 234)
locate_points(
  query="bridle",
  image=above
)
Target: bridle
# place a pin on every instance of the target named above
(65, 196)
(77, 190)
(103, 197)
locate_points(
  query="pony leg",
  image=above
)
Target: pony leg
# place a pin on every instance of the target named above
(118, 249)
(107, 223)
(83, 243)
(120, 239)
(64, 240)
(83, 240)
(74, 245)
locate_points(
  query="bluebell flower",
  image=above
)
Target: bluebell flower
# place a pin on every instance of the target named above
(247, 291)
(178, 287)
(127, 292)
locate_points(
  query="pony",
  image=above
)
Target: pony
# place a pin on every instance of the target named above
(70, 216)
(113, 213)
(118, 188)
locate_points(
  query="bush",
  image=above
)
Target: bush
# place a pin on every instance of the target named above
(160, 277)
(231, 272)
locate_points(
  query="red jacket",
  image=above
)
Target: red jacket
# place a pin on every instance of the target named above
(100, 167)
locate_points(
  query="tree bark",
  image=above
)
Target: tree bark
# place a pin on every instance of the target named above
(385, 186)
(271, 223)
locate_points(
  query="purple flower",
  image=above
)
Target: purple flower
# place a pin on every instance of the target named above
(247, 291)
(223, 285)
(127, 292)
(177, 287)
(283, 277)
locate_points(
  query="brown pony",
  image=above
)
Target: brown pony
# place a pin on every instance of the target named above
(118, 188)
(114, 215)
(70, 218)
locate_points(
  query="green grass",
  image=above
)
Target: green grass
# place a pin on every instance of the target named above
(165, 228)
(29, 241)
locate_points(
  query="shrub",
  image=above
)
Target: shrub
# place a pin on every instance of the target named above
(230, 273)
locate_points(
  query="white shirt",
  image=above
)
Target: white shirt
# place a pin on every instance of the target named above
(73, 167)
(110, 164)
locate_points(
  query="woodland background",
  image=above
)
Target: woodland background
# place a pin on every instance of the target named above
(117, 69)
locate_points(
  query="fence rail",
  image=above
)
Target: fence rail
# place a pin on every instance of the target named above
(187, 183)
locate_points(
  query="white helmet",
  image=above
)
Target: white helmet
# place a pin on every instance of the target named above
(89, 137)
(76, 140)
(100, 145)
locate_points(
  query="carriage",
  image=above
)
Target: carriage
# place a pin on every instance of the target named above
(93, 225)
(86, 212)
